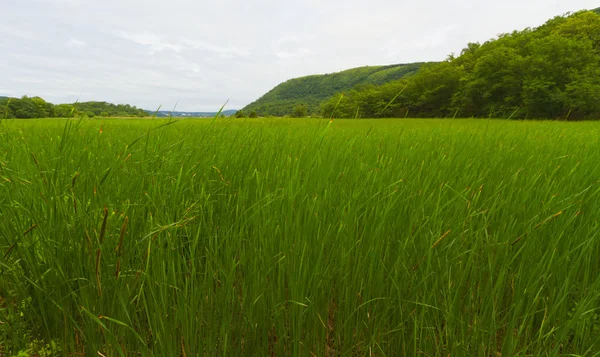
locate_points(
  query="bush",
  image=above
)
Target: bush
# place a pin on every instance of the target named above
(300, 111)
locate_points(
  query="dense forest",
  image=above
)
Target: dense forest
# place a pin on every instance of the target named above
(549, 72)
(36, 107)
(307, 93)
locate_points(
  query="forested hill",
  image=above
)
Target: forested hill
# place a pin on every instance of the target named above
(310, 91)
(36, 107)
(548, 72)
(597, 10)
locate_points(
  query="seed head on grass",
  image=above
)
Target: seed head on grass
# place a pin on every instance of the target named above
(103, 227)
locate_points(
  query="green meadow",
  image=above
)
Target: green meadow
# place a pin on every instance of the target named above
(299, 237)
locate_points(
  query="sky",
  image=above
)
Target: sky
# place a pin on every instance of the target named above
(196, 55)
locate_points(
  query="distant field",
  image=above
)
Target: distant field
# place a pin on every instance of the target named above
(283, 237)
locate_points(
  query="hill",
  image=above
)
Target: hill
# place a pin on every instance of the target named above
(597, 10)
(310, 91)
(548, 72)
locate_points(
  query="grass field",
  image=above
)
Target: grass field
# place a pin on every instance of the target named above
(299, 238)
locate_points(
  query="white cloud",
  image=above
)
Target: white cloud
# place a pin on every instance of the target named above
(300, 52)
(232, 51)
(73, 42)
(154, 42)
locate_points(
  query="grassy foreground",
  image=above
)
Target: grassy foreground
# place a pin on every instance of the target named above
(299, 238)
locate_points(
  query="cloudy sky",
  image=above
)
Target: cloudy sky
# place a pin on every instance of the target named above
(201, 53)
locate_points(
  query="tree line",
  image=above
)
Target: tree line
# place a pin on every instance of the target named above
(36, 107)
(550, 72)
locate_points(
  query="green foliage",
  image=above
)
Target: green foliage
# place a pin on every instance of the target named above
(240, 114)
(299, 237)
(18, 328)
(36, 107)
(113, 110)
(300, 111)
(549, 72)
(64, 111)
(25, 108)
(4, 112)
(312, 90)
(253, 114)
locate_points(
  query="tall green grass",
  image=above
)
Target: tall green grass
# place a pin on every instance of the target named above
(300, 238)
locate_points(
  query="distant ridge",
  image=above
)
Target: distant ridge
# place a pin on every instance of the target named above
(166, 114)
(597, 10)
(36, 107)
(310, 91)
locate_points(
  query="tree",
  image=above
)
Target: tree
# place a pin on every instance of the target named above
(63, 111)
(43, 108)
(24, 108)
(240, 114)
(300, 111)
(4, 113)
(253, 114)
(583, 96)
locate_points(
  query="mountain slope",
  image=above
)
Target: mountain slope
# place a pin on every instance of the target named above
(312, 90)
(597, 10)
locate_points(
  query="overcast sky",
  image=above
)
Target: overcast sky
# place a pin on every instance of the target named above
(202, 53)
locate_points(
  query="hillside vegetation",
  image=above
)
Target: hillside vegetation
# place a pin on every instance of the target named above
(36, 107)
(549, 72)
(310, 91)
